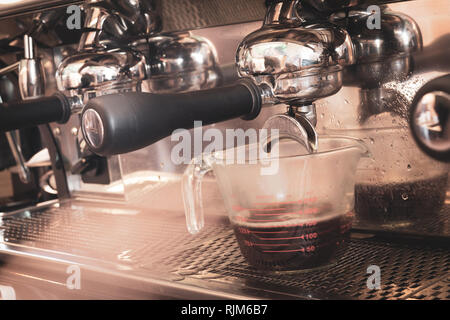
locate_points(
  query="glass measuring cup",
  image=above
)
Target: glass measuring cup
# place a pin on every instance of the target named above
(293, 217)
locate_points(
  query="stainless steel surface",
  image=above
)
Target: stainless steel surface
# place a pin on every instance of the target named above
(107, 64)
(333, 5)
(90, 70)
(31, 78)
(292, 128)
(301, 61)
(381, 56)
(95, 18)
(401, 35)
(340, 112)
(134, 235)
(307, 118)
(28, 47)
(122, 249)
(165, 63)
(187, 15)
(169, 62)
(179, 62)
(305, 111)
(296, 60)
(283, 13)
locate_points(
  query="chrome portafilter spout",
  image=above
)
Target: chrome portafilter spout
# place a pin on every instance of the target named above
(298, 124)
(296, 59)
(306, 116)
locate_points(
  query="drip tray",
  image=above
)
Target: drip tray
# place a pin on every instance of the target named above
(155, 246)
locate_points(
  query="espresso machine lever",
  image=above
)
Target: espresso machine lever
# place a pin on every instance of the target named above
(124, 122)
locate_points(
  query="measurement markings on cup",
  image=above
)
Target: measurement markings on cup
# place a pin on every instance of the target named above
(285, 233)
(302, 249)
(307, 249)
(303, 236)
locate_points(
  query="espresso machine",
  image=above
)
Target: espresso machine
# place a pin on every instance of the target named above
(111, 86)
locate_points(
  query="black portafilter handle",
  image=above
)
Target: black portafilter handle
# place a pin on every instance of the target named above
(430, 118)
(29, 113)
(124, 122)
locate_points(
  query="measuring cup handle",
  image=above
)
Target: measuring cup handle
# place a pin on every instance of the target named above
(192, 193)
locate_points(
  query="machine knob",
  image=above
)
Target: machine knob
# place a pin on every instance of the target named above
(430, 118)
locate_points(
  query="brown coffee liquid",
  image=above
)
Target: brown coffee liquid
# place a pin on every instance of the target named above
(398, 202)
(292, 245)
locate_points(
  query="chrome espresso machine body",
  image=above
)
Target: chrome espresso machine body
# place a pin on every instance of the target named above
(110, 86)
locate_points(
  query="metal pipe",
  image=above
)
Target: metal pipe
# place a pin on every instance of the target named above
(28, 47)
(9, 68)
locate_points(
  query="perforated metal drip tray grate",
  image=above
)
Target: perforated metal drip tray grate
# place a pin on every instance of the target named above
(407, 271)
(148, 241)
